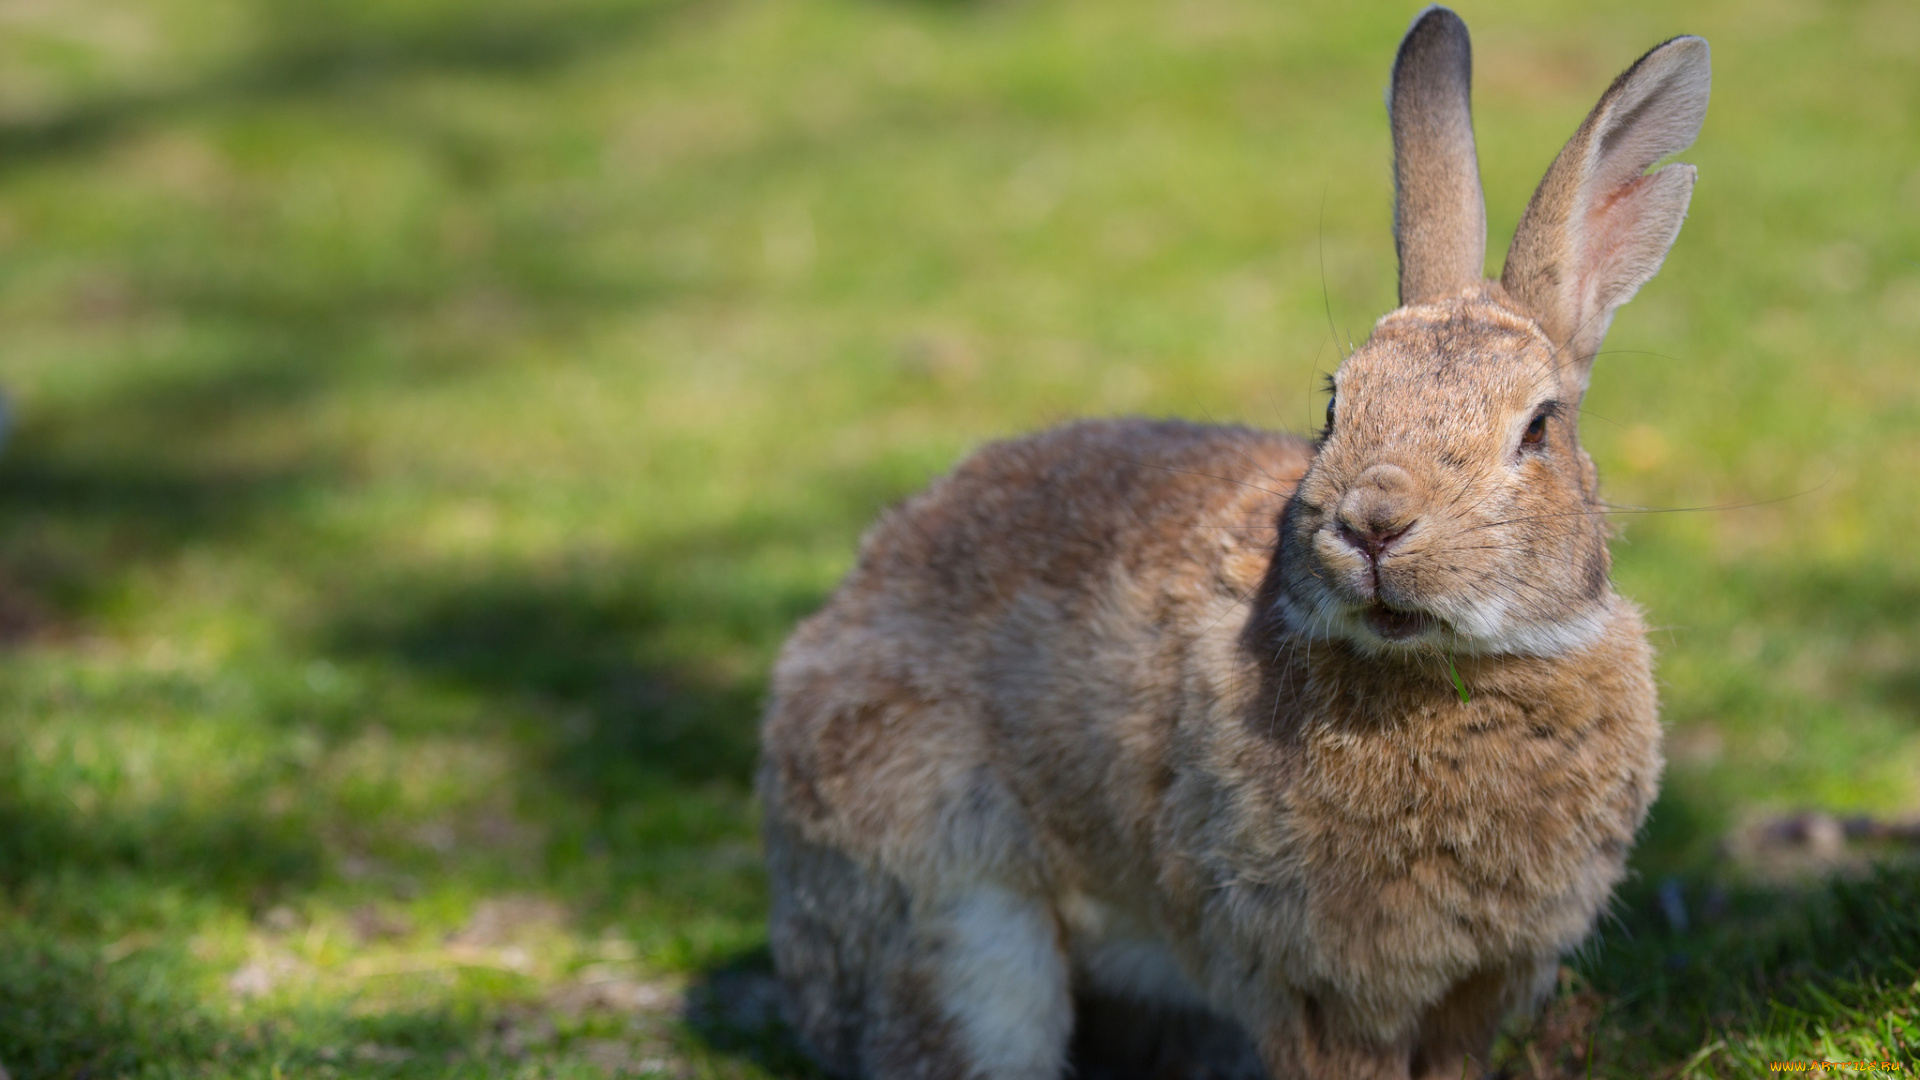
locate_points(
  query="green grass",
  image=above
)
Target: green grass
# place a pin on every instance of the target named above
(429, 417)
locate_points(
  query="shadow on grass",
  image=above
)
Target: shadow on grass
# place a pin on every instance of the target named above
(1754, 961)
(646, 665)
(733, 1008)
(586, 646)
(228, 852)
(75, 528)
(317, 47)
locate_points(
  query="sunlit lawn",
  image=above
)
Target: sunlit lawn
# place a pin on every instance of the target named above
(427, 418)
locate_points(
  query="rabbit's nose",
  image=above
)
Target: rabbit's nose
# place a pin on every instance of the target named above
(1377, 510)
(1372, 539)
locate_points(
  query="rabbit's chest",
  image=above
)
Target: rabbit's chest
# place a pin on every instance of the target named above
(1500, 834)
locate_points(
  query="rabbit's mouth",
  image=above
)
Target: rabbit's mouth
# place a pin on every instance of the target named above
(1396, 625)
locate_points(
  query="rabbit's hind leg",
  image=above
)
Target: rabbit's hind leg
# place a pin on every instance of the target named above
(833, 923)
(879, 985)
(977, 988)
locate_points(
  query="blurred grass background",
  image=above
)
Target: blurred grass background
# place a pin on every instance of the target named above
(427, 418)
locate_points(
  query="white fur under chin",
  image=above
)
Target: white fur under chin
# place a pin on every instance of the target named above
(1486, 629)
(1479, 628)
(1003, 981)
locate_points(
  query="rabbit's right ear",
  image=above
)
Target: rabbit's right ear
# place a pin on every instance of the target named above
(1439, 214)
(1600, 225)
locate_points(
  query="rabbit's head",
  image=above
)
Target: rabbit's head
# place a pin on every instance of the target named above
(1451, 504)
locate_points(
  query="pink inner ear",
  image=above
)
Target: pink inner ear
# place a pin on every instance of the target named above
(1620, 238)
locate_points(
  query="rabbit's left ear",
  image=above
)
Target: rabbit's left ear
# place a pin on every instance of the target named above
(1600, 225)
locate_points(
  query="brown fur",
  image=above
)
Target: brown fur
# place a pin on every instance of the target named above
(1164, 713)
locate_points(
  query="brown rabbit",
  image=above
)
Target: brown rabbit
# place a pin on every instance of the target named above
(1340, 743)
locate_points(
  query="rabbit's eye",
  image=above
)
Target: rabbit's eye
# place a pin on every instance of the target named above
(1536, 431)
(1330, 414)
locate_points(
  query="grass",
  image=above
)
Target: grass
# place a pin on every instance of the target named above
(427, 418)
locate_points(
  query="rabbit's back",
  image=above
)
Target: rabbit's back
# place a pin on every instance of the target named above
(1019, 635)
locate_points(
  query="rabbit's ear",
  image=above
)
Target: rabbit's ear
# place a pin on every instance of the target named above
(1439, 215)
(1599, 225)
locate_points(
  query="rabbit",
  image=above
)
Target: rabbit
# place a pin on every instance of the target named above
(1340, 742)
